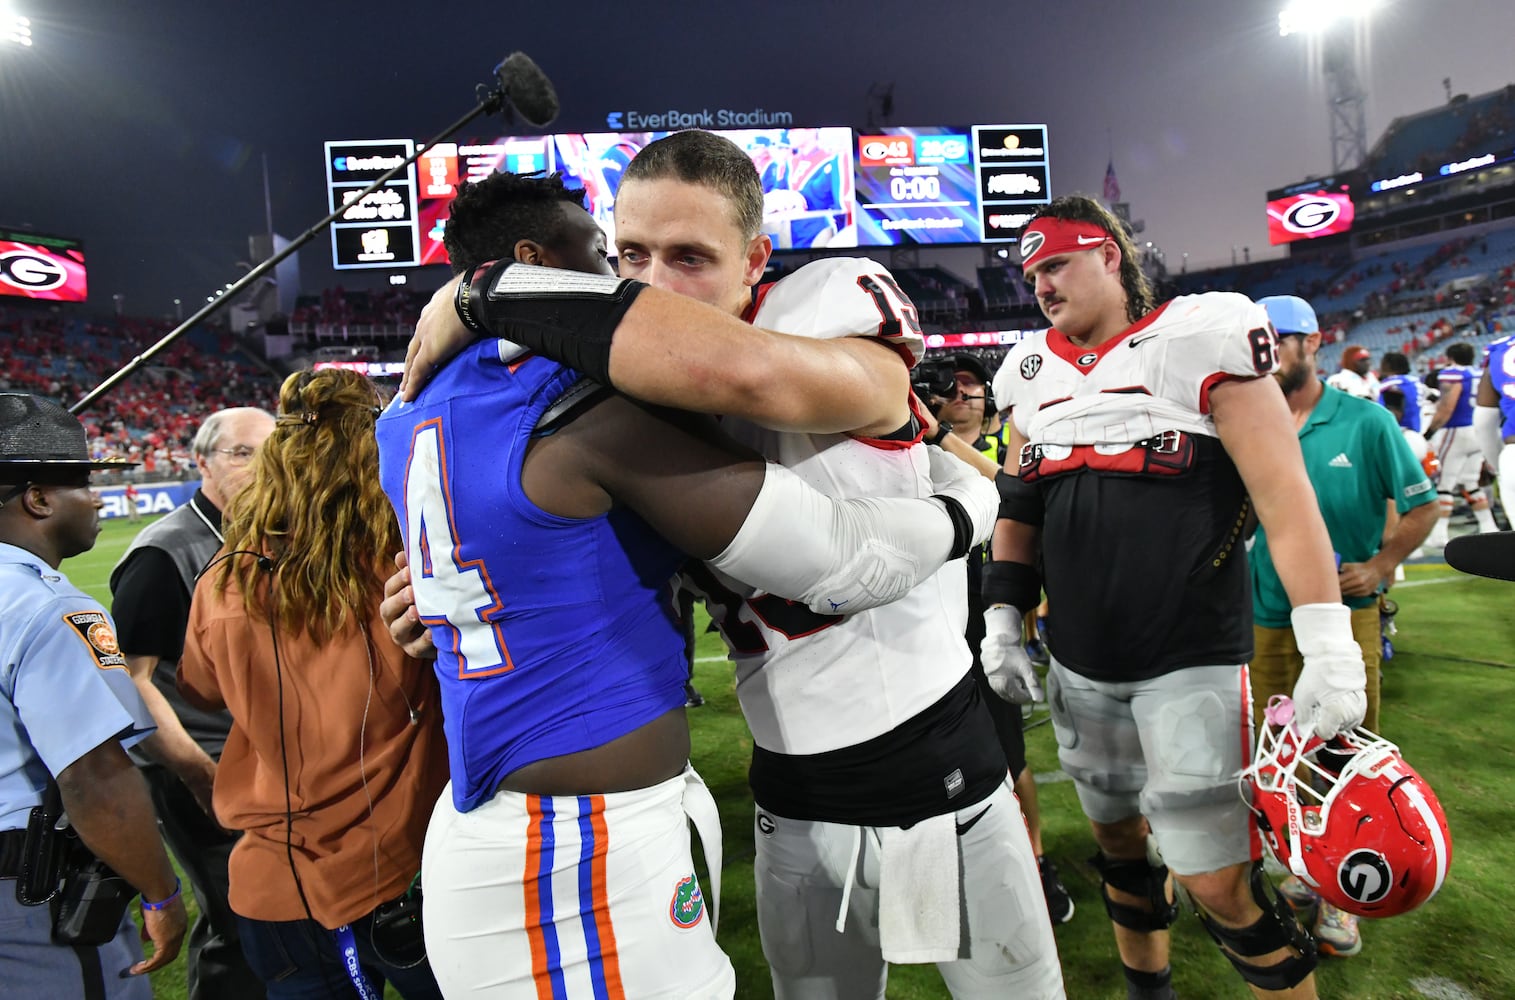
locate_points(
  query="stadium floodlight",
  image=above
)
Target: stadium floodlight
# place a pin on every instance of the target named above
(14, 28)
(1303, 17)
(1335, 30)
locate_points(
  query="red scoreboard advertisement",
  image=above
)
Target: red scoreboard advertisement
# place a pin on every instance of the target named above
(34, 266)
(1310, 210)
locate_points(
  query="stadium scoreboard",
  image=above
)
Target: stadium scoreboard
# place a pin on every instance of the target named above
(823, 187)
(38, 266)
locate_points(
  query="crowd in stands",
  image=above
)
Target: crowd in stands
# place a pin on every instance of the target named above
(1462, 127)
(151, 416)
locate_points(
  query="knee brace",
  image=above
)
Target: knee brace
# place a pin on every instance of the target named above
(1139, 878)
(1275, 929)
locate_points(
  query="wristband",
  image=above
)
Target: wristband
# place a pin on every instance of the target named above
(165, 902)
(942, 430)
(463, 301)
(1016, 584)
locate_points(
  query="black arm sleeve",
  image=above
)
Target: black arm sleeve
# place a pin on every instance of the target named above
(567, 316)
(1015, 584)
(150, 605)
(1018, 500)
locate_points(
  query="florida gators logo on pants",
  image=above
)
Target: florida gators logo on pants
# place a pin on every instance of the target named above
(688, 905)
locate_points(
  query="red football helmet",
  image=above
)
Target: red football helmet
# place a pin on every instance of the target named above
(1348, 816)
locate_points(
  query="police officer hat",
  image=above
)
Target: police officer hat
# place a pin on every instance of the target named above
(39, 439)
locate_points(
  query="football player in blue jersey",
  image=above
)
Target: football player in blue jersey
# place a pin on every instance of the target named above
(1396, 376)
(1451, 434)
(544, 518)
(1494, 416)
(873, 752)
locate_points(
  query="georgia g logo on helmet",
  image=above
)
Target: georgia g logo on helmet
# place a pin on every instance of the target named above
(1365, 876)
(1030, 243)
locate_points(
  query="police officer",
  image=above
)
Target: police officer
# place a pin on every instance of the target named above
(67, 706)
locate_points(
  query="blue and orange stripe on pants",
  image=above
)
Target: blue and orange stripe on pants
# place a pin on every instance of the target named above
(593, 901)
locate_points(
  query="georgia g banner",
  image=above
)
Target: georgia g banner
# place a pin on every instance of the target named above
(34, 266)
(1309, 215)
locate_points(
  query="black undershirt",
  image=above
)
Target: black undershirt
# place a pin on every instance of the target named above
(941, 760)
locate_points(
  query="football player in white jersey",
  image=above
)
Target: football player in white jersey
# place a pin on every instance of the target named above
(1356, 377)
(886, 827)
(1154, 433)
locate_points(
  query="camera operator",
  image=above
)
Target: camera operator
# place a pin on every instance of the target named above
(67, 710)
(962, 409)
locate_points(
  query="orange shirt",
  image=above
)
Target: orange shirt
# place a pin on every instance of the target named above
(362, 778)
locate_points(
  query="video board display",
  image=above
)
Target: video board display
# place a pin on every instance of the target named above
(822, 187)
(379, 230)
(1310, 210)
(36, 266)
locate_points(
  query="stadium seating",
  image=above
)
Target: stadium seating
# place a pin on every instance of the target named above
(150, 417)
(1425, 140)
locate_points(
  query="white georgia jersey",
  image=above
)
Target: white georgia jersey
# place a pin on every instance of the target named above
(1091, 406)
(810, 683)
(1353, 384)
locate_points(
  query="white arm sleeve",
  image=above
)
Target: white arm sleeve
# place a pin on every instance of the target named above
(836, 556)
(1486, 424)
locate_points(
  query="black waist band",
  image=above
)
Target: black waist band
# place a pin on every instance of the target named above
(942, 759)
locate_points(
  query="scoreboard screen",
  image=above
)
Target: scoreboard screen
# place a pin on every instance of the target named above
(822, 187)
(1310, 209)
(35, 266)
(379, 230)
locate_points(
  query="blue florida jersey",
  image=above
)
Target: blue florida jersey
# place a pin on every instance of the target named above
(1413, 390)
(1499, 362)
(1463, 375)
(553, 634)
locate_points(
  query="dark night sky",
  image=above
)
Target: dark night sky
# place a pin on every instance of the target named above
(141, 128)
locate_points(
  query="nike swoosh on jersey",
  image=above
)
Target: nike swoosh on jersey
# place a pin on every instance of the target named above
(1141, 340)
(963, 828)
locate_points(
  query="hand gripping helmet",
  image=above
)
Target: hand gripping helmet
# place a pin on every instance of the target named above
(1348, 816)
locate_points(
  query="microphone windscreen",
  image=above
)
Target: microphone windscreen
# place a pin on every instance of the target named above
(528, 89)
(1491, 555)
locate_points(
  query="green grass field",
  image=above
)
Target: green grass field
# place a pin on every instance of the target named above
(1448, 698)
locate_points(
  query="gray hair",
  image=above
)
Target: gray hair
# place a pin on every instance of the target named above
(209, 434)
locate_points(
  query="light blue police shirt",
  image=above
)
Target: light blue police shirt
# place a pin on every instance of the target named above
(64, 688)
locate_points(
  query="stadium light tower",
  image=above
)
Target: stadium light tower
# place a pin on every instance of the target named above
(1336, 23)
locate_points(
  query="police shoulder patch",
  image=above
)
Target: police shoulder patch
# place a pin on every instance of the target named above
(93, 627)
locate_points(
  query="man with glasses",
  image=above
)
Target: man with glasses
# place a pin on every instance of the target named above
(150, 591)
(67, 708)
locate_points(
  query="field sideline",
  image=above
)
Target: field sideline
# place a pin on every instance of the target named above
(1448, 698)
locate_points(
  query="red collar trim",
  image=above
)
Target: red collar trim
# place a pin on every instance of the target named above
(758, 295)
(1085, 358)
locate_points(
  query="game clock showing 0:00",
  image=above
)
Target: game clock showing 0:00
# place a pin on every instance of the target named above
(827, 187)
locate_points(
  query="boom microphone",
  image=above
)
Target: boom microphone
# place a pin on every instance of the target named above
(1491, 555)
(527, 87)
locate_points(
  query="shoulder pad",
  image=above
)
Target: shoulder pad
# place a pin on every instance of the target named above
(842, 297)
(1010, 374)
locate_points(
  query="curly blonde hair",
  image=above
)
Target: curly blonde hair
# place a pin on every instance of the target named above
(314, 504)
